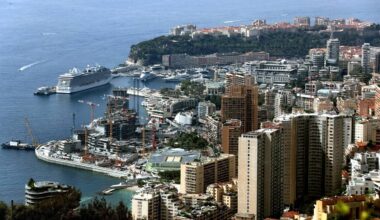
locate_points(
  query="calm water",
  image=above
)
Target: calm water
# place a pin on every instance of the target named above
(46, 38)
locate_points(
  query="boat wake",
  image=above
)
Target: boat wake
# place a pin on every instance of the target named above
(31, 65)
(48, 33)
(232, 21)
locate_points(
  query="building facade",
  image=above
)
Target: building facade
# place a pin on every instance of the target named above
(260, 179)
(231, 131)
(332, 53)
(241, 103)
(313, 153)
(196, 176)
(366, 58)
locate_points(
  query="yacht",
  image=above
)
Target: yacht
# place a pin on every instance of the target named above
(177, 78)
(146, 76)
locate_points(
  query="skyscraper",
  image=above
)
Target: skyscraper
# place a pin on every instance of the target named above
(332, 53)
(259, 182)
(241, 102)
(366, 58)
(231, 131)
(316, 142)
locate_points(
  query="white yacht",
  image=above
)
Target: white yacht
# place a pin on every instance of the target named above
(146, 76)
(177, 78)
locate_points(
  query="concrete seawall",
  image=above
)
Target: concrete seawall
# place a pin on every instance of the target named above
(84, 166)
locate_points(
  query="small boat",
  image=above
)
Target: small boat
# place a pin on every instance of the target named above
(17, 145)
(44, 90)
(123, 185)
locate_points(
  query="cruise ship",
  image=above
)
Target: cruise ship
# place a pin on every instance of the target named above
(76, 80)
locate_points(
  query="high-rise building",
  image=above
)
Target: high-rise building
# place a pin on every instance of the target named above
(196, 176)
(238, 79)
(146, 206)
(205, 109)
(231, 131)
(351, 67)
(169, 204)
(313, 153)
(376, 67)
(366, 58)
(241, 102)
(302, 21)
(322, 21)
(332, 53)
(318, 59)
(260, 179)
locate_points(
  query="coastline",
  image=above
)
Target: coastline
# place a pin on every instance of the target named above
(133, 188)
(89, 167)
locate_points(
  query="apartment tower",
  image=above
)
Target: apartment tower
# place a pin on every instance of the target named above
(196, 176)
(260, 179)
(231, 131)
(366, 58)
(313, 154)
(241, 102)
(332, 53)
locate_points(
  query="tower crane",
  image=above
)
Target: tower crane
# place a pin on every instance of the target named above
(92, 113)
(30, 133)
(92, 108)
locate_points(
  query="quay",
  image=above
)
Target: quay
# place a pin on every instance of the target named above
(40, 154)
(107, 191)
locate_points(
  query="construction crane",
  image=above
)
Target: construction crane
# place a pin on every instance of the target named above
(92, 105)
(30, 133)
(110, 117)
(85, 143)
(154, 144)
(92, 108)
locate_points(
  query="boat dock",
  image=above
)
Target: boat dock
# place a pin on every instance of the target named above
(107, 191)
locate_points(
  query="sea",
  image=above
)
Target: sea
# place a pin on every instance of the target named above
(39, 40)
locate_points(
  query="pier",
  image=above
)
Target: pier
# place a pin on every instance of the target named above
(76, 164)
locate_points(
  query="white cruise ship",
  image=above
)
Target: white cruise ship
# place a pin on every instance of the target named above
(76, 81)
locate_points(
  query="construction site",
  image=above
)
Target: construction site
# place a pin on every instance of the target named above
(112, 144)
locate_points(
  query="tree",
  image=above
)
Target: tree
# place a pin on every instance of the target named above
(189, 141)
(170, 175)
(3, 210)
(280, 43)
(192, 89)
